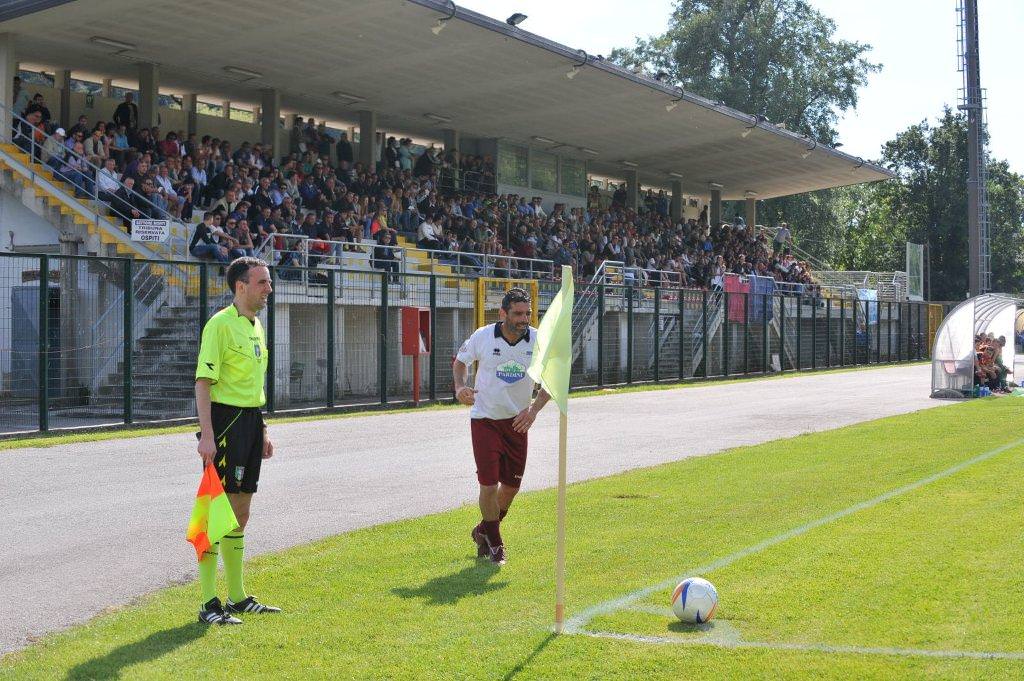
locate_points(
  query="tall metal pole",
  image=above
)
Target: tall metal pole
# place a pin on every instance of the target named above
(971, 101)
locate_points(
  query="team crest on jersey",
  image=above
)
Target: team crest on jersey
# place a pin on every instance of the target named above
(511, 372)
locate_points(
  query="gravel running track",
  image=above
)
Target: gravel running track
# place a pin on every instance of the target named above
(97, 524)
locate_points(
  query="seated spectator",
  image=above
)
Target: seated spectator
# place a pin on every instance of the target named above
(385, 257)
(124, 203)
(107, 180)
(54, 150)
(77, 171)
(204, 244)
(429, 235)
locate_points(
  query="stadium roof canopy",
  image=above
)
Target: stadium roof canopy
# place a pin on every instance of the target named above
(490, 79)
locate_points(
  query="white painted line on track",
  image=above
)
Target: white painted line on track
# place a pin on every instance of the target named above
(576, 623)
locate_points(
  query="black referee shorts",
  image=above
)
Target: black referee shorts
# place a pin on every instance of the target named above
(238, 432)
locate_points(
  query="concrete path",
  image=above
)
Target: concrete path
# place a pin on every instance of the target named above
(98, 524)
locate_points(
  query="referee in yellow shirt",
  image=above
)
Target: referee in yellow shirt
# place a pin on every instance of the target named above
(230, 372)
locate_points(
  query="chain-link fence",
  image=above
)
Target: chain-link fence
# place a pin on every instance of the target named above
(90, 341)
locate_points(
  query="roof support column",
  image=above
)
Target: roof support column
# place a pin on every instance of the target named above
(8, 70)
(149, 90)
(751, 216)
(225, 107)
(368, 139)
(106, 87)
(270, 128)
(632, 189)
(676, 206)
(62, 84)
(451, 139)
(715, 212)
(188, 104)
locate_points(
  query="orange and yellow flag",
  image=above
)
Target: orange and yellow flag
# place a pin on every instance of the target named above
(212, 517)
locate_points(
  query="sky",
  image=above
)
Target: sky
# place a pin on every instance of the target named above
(914, 40)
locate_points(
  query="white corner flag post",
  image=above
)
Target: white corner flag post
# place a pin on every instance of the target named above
(552, 362)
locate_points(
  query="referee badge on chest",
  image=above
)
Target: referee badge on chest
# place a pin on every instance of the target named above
(256, 350)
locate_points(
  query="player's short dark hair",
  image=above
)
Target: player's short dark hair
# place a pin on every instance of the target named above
(239, 270)
(514, 295)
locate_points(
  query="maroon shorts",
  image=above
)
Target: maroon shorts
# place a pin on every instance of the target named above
(500, 452)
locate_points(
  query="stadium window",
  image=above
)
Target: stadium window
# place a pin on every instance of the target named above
(242, 115)
(85, 86)
(208, 109)
(574, 177)
(169, 102)
(36, 78)
(544, 171)
(513, 164)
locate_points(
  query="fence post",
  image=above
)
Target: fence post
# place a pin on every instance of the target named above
(330, 338)
(657, 334)
(888, 328)
(856, 345)
(765, 355)
(799, 330)
(746, 332)
(704, 331)
(782, 333)
(725, 334)
(922, 350)
(679, 330)
(600, 335)
(271, 337)
(382, 344)
(126, 340)
(432, 357)
(814, 334)
(629, 334)
(842, 331)
(203, 298)
(878, 331)
(44, 343)
(828, 332)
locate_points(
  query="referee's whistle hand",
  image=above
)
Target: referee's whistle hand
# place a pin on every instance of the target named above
(466, 396)
(207, 449)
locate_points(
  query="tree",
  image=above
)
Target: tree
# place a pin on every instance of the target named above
(776, 58)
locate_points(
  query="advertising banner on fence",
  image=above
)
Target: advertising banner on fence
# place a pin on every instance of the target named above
(151, 230)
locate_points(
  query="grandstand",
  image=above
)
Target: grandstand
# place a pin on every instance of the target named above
(410, 128)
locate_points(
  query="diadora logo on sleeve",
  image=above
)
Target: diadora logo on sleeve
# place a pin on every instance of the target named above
(511, 372)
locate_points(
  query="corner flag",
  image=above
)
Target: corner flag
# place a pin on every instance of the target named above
(552, 354)
(212, 517)
(552, 361)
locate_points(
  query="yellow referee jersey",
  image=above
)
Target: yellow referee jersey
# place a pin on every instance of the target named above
(233, 356)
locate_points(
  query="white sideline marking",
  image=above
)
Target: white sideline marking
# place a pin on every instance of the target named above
(728, 642)
(576, 623)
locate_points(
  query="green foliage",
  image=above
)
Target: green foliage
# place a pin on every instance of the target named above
(777, 58)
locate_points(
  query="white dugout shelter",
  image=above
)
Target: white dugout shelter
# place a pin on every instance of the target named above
(953, 357)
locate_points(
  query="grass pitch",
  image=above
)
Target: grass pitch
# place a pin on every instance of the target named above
(884, 550)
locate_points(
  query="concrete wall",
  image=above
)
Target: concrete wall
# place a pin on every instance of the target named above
(20, 223)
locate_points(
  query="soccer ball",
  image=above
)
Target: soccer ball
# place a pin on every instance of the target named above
(694, 600)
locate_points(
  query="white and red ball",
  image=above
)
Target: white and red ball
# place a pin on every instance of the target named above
(694, 601)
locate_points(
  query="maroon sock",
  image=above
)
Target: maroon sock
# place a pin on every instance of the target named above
(492, 532)
(501, 514)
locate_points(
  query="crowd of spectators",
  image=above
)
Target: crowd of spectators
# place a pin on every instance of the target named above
(252, 198)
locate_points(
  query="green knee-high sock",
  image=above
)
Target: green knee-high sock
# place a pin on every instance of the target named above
(233, 551)
(208, 573)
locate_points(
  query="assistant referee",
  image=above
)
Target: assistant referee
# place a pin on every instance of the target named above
(230, 372)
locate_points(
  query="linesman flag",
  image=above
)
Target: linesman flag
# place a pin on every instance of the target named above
(552, 353)
(212, 517)
(552, 360)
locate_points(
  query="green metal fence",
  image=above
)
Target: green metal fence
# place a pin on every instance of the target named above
(88, 341)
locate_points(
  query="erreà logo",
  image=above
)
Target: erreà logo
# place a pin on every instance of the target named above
(511, 372)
